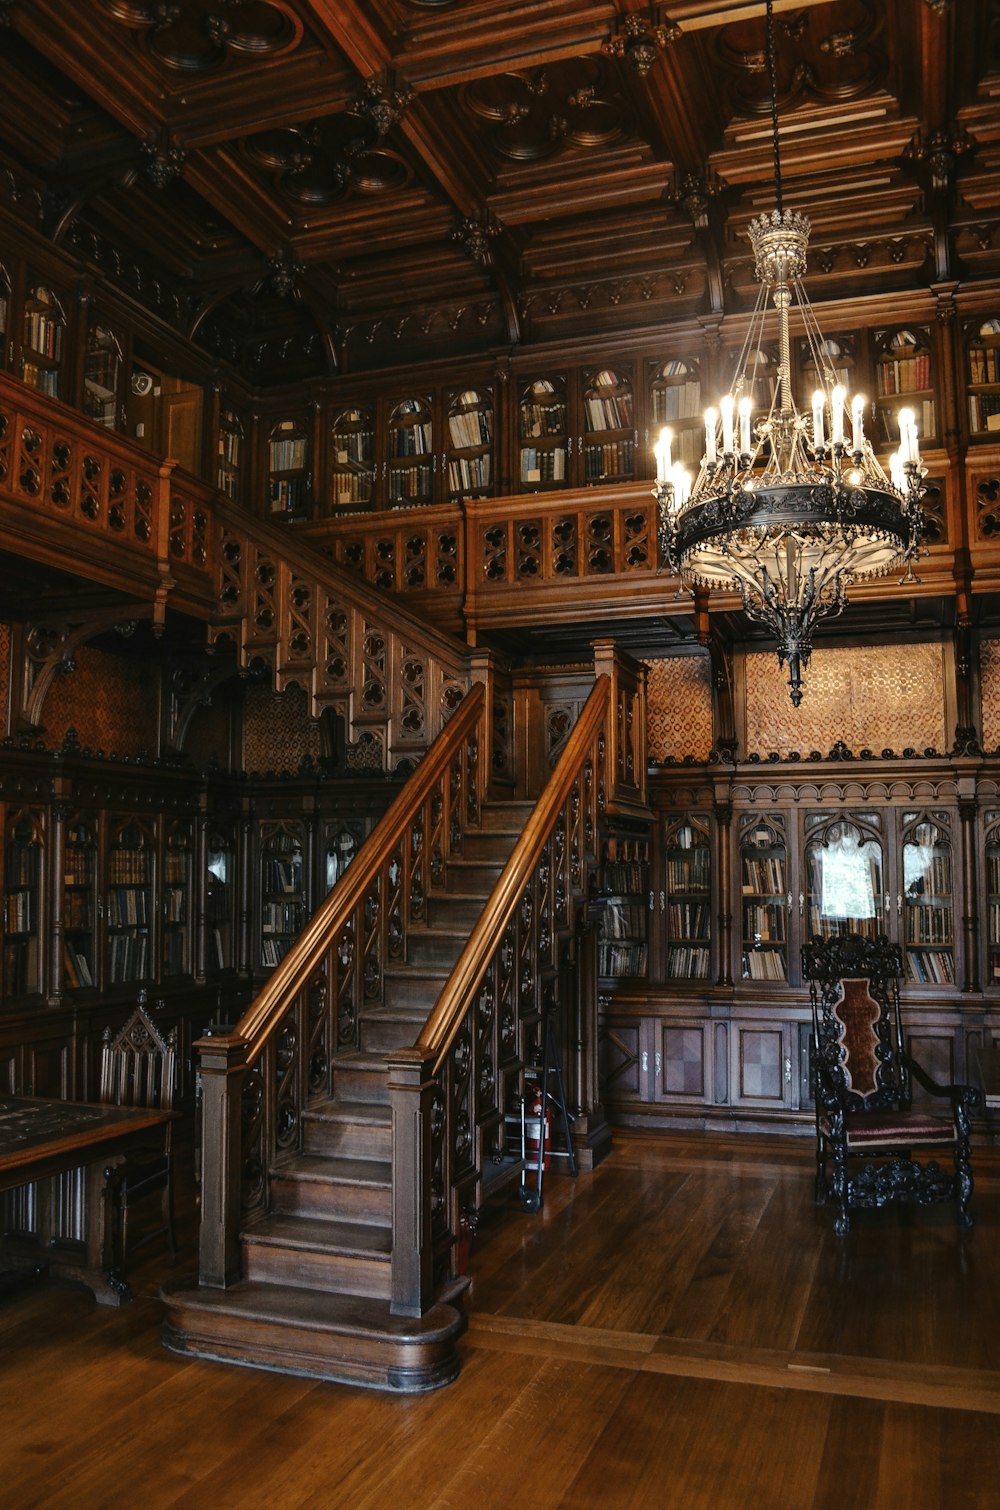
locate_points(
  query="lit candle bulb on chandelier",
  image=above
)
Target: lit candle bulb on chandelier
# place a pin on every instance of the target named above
(745, 407)
(857, 422)
(662, 453)
(681, 479)
(896, 473)
(909, 449)
(726, 408)
(711, 420)
(837, 398)
(818, 401)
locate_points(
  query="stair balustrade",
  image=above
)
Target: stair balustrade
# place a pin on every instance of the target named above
(257, 1080)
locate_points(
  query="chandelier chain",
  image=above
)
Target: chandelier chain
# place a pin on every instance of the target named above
(772, 73)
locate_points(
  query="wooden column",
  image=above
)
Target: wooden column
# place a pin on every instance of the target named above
(968, 813)
(591, 1133)
(724, 820)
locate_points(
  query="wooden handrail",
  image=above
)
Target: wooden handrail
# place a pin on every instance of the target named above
(447, 1016)
(267, 1010)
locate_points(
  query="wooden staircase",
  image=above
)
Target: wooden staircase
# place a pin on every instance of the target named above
(316, 1268)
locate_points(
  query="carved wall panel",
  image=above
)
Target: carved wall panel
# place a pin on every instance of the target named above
(868, 697)
(111, 702)
(679, 707)
(989, 687)
(277, 730)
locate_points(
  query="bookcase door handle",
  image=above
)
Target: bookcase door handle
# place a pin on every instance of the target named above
(658, 1061)
(790, 901)
(644, 1060)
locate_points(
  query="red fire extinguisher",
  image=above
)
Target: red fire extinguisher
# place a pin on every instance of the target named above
(537, 1125)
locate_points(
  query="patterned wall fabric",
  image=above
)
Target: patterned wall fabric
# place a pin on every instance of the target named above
(110, 700)
(989, 687)
(4, 667)
(277, 730)
(873, 697)
(679, 707)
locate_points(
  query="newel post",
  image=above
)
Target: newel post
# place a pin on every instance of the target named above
(222, 1068)
(411, 1092)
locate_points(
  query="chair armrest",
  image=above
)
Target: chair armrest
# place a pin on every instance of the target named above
(964, 1095)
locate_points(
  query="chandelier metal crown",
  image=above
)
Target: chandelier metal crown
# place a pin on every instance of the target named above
(789, 508)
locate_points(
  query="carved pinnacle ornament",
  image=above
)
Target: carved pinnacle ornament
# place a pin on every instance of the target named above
(940, 151)
(475, 236)
(382, 101)
(283, 274)
(164, 160)
(692, 195)
(638, 39)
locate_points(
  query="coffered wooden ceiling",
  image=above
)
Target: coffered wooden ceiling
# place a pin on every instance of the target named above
(313, 186)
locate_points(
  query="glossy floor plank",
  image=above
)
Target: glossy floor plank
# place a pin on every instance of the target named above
(679, 1328)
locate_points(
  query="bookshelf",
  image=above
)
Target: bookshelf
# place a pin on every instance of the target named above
(687, 868)
(42, 338)
(174, 899)
(221, 862)
(288, 469)
(470, 443)
(675, 400)
(282, 889)
(102, 370)
(341, 847)
(79, 891)
(845, 867)
(130, 902)
(543, 436)
(609, 435)
(764, 897)
(928, 901)
(411, 453)
(229, 458)
(23, 853)
(982, 371)
(352, 470)
(904, 377)
(622, 905)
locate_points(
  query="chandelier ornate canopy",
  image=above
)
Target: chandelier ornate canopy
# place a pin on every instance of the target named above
(789, 507)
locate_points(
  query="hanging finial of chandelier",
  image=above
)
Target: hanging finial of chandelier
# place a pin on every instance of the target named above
(788, 507)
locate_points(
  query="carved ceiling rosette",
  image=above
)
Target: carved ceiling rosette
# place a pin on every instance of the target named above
(194, 36)
(831, 52)
(319, 162)
(539, 113)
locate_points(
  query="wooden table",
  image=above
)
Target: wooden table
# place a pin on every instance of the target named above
(55, 1162)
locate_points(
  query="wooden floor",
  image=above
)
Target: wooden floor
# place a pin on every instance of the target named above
(679, 1329)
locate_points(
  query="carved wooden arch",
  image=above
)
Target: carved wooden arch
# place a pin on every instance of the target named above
(50, 646)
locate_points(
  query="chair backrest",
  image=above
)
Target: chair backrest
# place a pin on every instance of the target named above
(857, 1031)
(138, 1063)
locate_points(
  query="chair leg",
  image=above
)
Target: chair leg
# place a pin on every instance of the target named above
(168, 1213)
(123, 1231)
(821, 1186)
(963, 1182)
(842, 1221)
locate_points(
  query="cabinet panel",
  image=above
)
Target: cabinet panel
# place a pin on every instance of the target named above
(761, 1066)
(620, 1061)
(681, 1061)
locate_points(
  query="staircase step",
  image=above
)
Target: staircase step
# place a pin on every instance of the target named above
(435, 946)
(387, 1028)
(359, 1190)
(511, 816)
(448, 910)
(412, 986)
(351, 1257)
(353, 1129)
(361, 1078)
(348, 1338)
(489, 844)
(466, 876)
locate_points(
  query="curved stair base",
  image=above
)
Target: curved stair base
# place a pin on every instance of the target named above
(349, 1339)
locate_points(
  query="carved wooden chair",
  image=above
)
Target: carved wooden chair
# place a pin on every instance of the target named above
(137, 1069)
(866, 1128)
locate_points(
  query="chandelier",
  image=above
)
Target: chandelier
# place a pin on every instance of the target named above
(789, 507)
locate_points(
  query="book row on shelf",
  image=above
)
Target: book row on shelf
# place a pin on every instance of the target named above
(128, 956)
(925, 416)
(220, 950)
(409, 482)
(767, 923)
(984, 411)
(288, 455)
(286, 495)
(899, 375)
(930, 965)
(412, 440)
(129, 867)
(615, 458)
(683, 401)
(282, 875)
(836, 927)
(984, 364)
(764, 876)
(44, 335)
(273, 950)
(621, 920)
(20, 865)
(621, 958)
(76, 967)
(175, 867)
(20, 965)
(76, 866)
(688, 920)
(355, 446)
(175, 906)
(42, 379)
(764, 964)
(19, 912)
(128, 906)
(626, 876)
(687, 963)
(934, 879)
(543, 466)
(688, 873)
(609, 413)
(281, 917)
(229, 447)
(470, 429)
(76, 909)
(929, 925)
(468, 473)
(542, 419)
(348, 488)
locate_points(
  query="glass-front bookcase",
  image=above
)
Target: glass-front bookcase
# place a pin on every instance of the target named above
(24, 848)
(130, 901)
(765, 896)
(928, 899)
(79, 892)
(687, 862)
(282, 889)
(845, 871)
